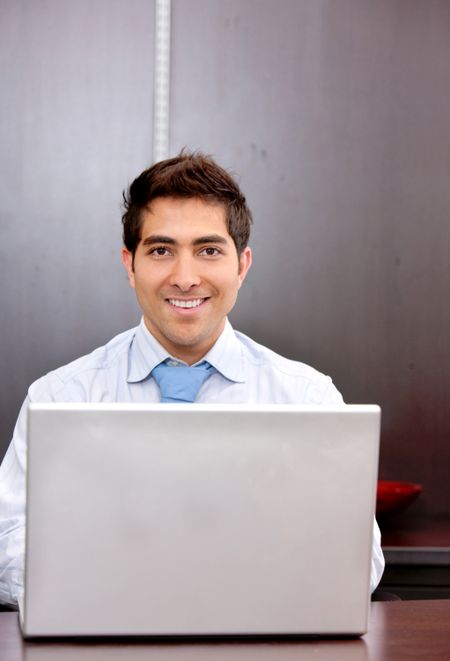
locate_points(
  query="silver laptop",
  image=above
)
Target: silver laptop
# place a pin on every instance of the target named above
(196, 520)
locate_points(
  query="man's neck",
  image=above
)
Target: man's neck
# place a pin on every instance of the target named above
(189, 354)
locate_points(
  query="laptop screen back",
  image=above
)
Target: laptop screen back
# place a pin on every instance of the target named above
(205, 519)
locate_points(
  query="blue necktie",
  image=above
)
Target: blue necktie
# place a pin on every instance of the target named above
(181, 383)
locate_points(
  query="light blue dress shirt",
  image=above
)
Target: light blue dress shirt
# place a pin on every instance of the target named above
(120, 372)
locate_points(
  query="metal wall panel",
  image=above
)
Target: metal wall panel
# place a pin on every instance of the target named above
(336, 115)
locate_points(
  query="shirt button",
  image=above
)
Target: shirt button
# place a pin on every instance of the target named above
(173, 363)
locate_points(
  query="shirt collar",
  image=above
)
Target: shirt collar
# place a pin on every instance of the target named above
(146, 352)
(226, 355)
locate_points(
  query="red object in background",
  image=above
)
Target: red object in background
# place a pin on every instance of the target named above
(394, 496)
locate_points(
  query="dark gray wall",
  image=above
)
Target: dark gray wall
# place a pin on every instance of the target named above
(336, 116)
(75, 128)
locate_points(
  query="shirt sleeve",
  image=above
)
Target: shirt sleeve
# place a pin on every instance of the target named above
(333, 397)
(377, 566)
(12, 514)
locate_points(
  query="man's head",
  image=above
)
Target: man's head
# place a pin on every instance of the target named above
(186, 229)
(188, 175)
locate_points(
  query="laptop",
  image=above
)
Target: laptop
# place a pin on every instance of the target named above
(192, 520)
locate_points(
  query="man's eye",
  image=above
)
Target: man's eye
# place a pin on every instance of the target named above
(160, 251)
(210, 252)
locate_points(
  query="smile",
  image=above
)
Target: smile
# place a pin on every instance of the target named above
(183, 303)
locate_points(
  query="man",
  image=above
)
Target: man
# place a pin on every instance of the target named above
(186, 228)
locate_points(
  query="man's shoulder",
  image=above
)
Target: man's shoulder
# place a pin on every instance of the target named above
(290, 381)
(262, 356)
(104, 358)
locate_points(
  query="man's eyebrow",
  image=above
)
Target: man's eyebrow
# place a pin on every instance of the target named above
(157, 238)
(210, 238)
(168, 240)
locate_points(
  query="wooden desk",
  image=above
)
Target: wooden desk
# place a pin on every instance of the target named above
(398, 631)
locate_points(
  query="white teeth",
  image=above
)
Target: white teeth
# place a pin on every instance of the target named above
(186, 304)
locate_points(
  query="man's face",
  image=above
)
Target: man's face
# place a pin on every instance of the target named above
(186, 274)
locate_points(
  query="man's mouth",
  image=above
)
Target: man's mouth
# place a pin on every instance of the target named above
(187, 304)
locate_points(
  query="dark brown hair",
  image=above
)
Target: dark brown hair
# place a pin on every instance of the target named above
(187, 175)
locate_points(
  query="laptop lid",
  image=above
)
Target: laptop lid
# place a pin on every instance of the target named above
(206, 519)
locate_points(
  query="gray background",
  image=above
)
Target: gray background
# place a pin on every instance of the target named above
(335, 115)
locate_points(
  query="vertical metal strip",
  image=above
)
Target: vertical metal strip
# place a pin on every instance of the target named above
(161, 91)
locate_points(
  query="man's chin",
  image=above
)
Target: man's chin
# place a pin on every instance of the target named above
(187, 335)
(188, 341)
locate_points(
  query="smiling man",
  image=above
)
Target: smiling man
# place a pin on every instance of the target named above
(186, 272)
(186, 228)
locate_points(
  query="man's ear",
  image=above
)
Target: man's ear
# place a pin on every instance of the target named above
(245, 261)
(127, 261)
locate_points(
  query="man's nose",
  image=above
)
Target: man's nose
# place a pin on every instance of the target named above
(185, 274)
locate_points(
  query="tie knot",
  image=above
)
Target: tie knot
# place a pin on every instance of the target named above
(180, 383)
